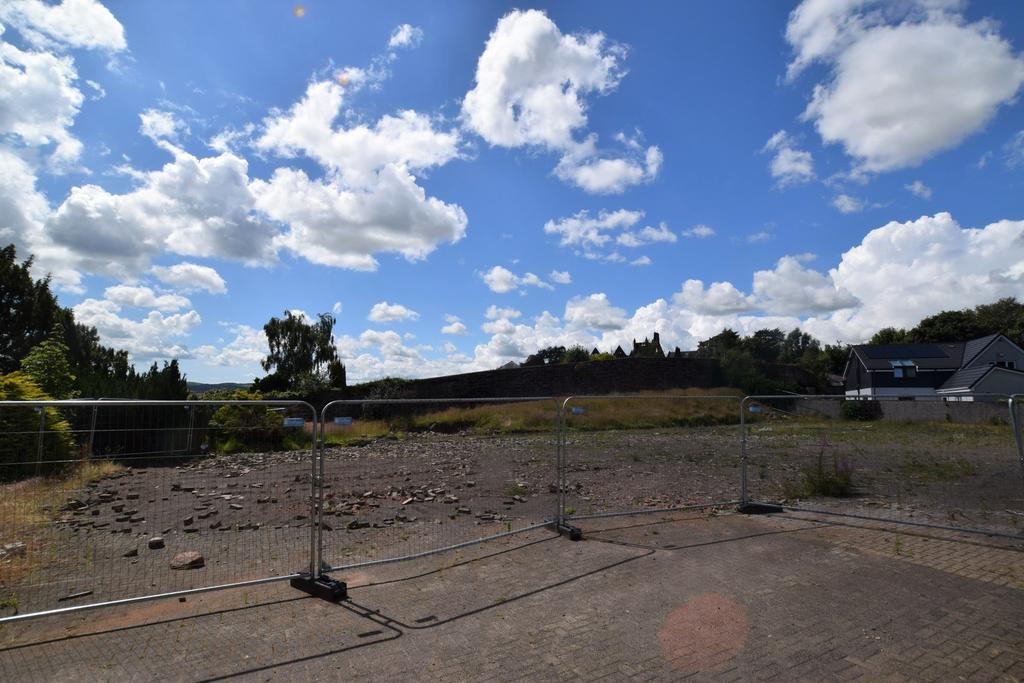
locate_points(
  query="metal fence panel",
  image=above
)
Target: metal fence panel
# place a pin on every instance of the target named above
(106, 501)
(927, 461)
(403, 478)
(649, 453)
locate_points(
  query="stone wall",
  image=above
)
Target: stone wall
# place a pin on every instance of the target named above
(930, 410)
(596, 377)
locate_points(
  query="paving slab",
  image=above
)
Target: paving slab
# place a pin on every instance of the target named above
(650, 597)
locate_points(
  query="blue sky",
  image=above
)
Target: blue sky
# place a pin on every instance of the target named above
(462, 185)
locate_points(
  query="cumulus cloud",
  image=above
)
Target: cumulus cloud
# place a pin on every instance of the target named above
(85, 24)
(1013, 150)
(647, 235)
(191, 277)
(792, 289)
(247, 349)
(405, 36)
(383, 312)
(560, 277)
(495, 313)
(502, 280)
(149, 338)
(40, 102)
(900, 88)
(719, 298)
(369, 202)
(590, 232)
(844, 203)
(144, 297)
(594, 312)
(919, 189)
(162, 125)
(699, 231)
(790, 165)
(454, 326)
(192, 207)
(531, 89)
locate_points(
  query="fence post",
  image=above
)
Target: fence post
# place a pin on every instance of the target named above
(314, 519)
(1015, 424)
(743, 451)
(92, 432)
(40, 448)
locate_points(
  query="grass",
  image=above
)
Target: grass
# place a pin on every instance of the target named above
(938, 470)
(28, 507)
(918, 434)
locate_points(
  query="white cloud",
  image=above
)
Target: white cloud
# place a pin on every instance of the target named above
(532, 83)
(901, 89)
(594, 312)
(192, 207)
(641, 261)
(759, 237)
(790, 165)
(336, 308)
(699, 231)
(847, 204)
(495, 313)
(383, 312)
(792, 289)
(69, 24)
(370, 201)
(405, 36)
(1014, 150)
(146, 339)
(919, 189)
(454, 327)
(585, 231)
(191, 277)
(162, 125)
(40, 102)
(408, 141)
(560, 277)
(648, 235)
(502, 280)
(718, 299)
(144, 297)
(248, 348)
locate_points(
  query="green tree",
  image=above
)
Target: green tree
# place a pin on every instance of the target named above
(28, 309)
(889, 335)
(48, 365)
(797, 345)
(547, 356)
(300, 351)
(575, 354)
(742, 372)
(948, 326)
(1005, 316)
(765, 345)
(715, 346)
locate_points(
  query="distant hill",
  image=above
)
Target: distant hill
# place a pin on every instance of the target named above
(201, 388)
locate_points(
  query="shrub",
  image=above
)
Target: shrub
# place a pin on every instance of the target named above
(19, 428)
(861, 411)
(236, 428)
(819, 480)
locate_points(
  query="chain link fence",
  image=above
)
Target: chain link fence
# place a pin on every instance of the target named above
(624, 455)
(107, 502)
(927, 461)
(406, 478)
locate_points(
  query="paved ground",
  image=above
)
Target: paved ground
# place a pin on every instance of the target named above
(723, 597)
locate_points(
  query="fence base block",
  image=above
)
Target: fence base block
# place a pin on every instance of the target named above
(573, 532)
(759, 508)
(323, 587)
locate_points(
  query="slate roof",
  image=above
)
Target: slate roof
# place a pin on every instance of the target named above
(976, 346)
(925, 356)
(966, 378)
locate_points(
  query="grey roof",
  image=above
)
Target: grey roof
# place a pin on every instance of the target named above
(925, 356)
(966, 378)
(976, 346)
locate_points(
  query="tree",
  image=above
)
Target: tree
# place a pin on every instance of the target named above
(547, 356)
(27, 307)
(301, 350)
(948, 326)
(797, 345)
(48, 365)
(1005, 316)
(889, 335)
(575, 354)
(765, 345)
(719, 344)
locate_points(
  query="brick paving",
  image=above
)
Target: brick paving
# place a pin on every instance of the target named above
(688, 596)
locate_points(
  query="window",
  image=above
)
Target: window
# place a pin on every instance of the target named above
(1008, 364)
(903, 369)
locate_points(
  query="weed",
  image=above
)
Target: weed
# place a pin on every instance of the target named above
(937, 470)
(570, 511)
(516, 489)
(9, 602)
(820, 480)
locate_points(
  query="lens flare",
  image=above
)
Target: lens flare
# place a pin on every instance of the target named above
(299, 11)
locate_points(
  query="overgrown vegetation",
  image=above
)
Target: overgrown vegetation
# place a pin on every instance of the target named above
(235, 428)
(862, 411)
(34, 441)
(822, 478)
(938, 470)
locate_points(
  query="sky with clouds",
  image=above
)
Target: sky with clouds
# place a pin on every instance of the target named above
(461, 186)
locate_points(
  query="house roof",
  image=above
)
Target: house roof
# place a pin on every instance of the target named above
(968, 378)
(925, 356)
(976, 346)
